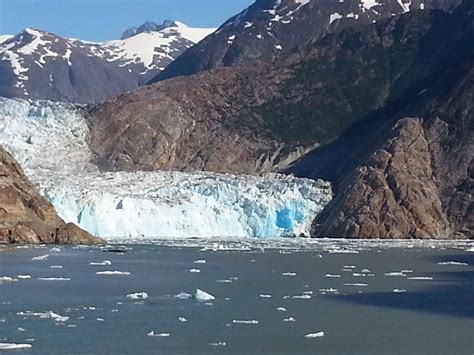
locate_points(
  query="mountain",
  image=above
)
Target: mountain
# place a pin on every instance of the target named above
(149, 26)
(271, 28)
(26, 217)
(41, 65)
(349, 107)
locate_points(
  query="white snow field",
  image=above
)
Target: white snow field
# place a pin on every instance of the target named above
(50, 141)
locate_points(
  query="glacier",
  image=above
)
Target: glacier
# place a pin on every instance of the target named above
(51, 142)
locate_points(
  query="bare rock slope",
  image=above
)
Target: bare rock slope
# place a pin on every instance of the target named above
(26, 217)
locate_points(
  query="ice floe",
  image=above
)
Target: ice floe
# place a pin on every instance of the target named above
(138, 296)
(113, 273)
(201, 295)
(14, 346)
(314, 335)
(45, 315)
(454, 263)
(183, 296)
(395, 273)
(5, 279)
(252, 322)
(162, 335)
(218, 343)
(40, 257)
(102, 263)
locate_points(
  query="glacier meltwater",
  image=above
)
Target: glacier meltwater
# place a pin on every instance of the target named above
(50, 140)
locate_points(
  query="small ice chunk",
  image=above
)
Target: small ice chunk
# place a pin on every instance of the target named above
(100, 319)
(40, 257)
(6, 279)
(332, 275)
(183, 296)
(455, 263)
(153, 334)
(54, 278)
(182, 319)
(237, 321)
(102, 263)
(112, 273)
(289, 319)
(302, 297)
(200, 261)
(138, 296)
(314, 335)
(289, 274)
(420, 278)
(194, 271)
(356, 284)
(395, 273)
(55, 267)
(228, 281)
(281, 309)
(398, 290)
(24, 277)
(14, 346)
(265, 296)
(218, 343)
(45, 315)
(330, 290)
(201, 295)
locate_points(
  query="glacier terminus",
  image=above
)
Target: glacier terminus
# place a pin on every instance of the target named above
(50, 140)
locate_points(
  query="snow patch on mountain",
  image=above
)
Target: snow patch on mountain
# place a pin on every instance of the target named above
(146, 45)
(50, 141)
(35, 51)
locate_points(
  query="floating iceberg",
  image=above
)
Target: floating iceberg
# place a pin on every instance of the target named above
(51, 142)
(314, 335)
(13, 346)
(201, 295)
(138, 296)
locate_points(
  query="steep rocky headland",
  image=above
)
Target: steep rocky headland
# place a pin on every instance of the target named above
(26, 217)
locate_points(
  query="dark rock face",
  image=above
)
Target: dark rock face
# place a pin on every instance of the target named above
(345, 97)
(252, 119)
(270, 28)
(416, 179)
(26, 217)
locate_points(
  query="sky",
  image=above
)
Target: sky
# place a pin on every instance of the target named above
(99, 20)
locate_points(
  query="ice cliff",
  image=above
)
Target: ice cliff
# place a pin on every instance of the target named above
(51, 141)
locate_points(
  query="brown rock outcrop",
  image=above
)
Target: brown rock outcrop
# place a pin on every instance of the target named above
(26, 217)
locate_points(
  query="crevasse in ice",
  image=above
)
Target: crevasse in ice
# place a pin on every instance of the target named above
(50, 140)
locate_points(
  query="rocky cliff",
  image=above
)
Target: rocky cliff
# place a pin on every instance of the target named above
(335, 110)
(26, 217)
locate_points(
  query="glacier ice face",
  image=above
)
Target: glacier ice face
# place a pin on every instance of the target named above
(50, 140)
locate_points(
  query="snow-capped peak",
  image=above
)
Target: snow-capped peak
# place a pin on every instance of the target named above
(38, 59)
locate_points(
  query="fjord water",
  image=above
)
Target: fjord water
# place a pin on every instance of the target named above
(281, 295)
